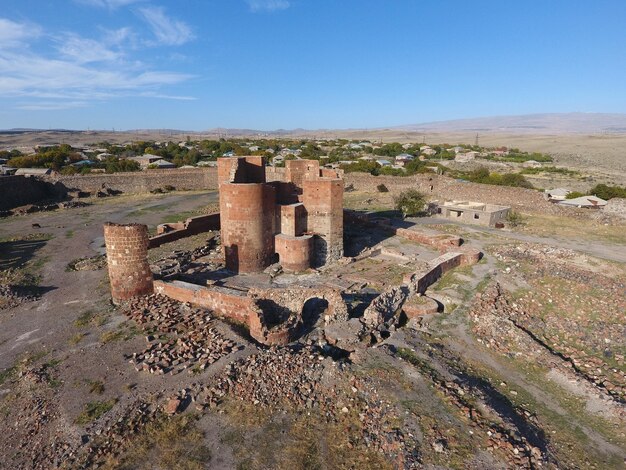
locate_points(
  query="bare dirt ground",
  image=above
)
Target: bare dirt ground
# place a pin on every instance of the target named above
(514, 372)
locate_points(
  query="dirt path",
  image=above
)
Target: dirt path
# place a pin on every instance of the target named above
(45, 324)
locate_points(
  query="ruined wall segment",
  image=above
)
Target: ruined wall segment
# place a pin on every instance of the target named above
(298, 171)
(241, 170)
(323, 199)
(127, 258)
(247, 225)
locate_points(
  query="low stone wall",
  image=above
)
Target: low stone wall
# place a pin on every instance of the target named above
(443, 188)
(385, 306)
(226, 303)
(188, 228)
(141, 181)
(442, 242)
(18, 191)
(273, 316)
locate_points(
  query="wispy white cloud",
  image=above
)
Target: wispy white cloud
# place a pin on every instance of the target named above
(51, 105)
(84, 50)
(167, 30)
(267, 5)
(111, 4)
(77, 71)
(14, 34)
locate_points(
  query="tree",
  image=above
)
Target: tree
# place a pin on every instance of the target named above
(514, 218)
(606, 192)
(410, 202)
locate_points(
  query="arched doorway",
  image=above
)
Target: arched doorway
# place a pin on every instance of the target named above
(313, 311)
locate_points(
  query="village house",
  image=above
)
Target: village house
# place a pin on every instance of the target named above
(555, 195)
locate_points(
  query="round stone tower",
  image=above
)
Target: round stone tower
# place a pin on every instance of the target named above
(247, 217)
(127, 258)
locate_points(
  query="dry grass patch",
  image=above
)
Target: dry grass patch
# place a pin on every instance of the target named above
(169, 443)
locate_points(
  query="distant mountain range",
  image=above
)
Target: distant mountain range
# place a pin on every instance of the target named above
(549, 123)
(554, 123)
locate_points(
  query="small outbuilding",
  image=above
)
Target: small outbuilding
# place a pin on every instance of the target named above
(589, 202)
(470, 212)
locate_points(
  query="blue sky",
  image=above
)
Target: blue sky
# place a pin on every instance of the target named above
(268, 64)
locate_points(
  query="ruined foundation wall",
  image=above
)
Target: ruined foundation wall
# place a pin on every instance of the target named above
(127, 259)
(440, 241)
(188, 228)
(391, 300)
(226, 303)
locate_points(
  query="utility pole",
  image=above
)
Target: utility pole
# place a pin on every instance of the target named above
(476, 140)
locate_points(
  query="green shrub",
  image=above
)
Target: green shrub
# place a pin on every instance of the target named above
(410, 202)
(514, 218)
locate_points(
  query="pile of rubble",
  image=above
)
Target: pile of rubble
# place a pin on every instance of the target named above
(31, 423)
(180, 261)
(111, 436)
(297, 379)
(271, 377)
(509, 328)
(572, 311)
(32, 208)
(506, 430)
(180, 337)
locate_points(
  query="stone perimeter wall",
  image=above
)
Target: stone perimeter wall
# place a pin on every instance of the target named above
(18, 191)
(141, 181)
(445, 188)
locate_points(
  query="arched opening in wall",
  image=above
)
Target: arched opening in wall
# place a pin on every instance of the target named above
(273, 313)
(313, 311)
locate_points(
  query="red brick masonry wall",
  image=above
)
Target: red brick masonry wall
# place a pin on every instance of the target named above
(228, 303)
(188, 228)
(127, 257)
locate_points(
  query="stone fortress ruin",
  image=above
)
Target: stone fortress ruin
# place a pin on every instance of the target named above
(299, 220)
(281, 268)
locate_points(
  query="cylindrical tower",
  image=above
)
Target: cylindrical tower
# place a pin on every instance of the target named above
(294, 252)
(127, 258)
(247, 219)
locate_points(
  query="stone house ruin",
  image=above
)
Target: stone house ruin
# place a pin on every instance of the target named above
(470, 212)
